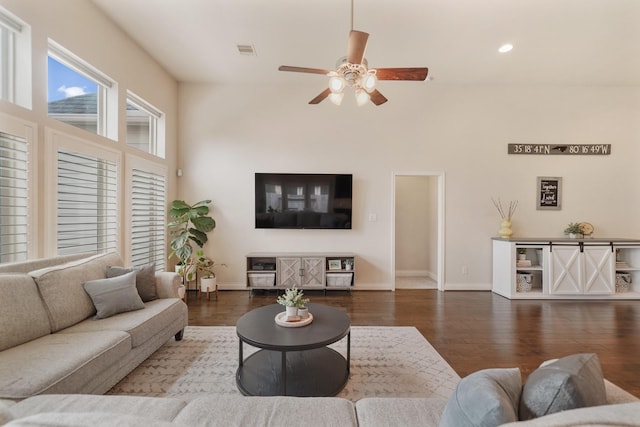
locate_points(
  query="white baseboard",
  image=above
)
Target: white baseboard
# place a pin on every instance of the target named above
(467, 287)
(417, 273)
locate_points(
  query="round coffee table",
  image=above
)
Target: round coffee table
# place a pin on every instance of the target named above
(293, 361)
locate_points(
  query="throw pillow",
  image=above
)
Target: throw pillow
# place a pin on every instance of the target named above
(145, 279)
(483, 399)
(114, 295)
(570, 382)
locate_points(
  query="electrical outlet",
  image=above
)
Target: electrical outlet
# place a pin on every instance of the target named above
(373, 217)
(465, 270)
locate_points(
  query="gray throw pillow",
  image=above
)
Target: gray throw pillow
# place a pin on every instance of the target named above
(145, 279)
(114, 295)
(486, 398)
(571, 382)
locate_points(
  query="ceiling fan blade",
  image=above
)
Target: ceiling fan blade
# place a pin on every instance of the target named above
(356, 47)
(318, 99)
(303, 69)
(402, 73)
(377, 98)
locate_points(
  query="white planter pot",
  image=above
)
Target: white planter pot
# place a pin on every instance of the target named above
(208, 284)
(292, 311)
(181, 291)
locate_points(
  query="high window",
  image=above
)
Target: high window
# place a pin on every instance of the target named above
(15, 60)
(145, 126)
(148, 213)
(79, 94)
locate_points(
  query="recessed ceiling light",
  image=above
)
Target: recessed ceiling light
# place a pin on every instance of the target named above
(505, 48)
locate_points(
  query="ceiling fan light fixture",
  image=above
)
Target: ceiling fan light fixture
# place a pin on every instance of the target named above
(362, 97)
(336, 98)
(369, 81)
(336, 84)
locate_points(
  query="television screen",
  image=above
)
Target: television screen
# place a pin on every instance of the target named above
(287, 200)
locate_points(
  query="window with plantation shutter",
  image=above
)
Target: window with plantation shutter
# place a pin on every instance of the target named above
(87, 217)
(13, 198)
(148, 228)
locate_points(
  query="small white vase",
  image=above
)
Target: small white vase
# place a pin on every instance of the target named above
(303, 312)
(292, 311)
(181, 292)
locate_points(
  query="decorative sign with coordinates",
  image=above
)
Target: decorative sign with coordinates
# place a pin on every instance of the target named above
(574, 149)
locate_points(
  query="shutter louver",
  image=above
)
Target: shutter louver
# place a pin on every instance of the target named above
(87, 204)
(148, 219)
(13, 198)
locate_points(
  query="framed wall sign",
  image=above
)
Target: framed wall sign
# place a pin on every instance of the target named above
(549, 193)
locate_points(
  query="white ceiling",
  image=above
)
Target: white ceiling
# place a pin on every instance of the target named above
(563, 42)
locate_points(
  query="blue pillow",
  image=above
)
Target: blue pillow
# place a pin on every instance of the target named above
(571, 382)
(486, 398)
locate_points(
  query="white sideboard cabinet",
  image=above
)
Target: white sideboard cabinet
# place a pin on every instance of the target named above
(566, 268)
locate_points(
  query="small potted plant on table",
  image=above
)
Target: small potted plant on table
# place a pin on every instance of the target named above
(292, 300)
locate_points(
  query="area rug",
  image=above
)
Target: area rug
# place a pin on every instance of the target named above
(385, 362)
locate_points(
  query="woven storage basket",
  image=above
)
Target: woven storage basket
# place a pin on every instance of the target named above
(524, 282)
(623, 282)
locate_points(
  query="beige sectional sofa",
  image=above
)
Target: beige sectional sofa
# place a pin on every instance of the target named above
(51, 340)
(228, 411)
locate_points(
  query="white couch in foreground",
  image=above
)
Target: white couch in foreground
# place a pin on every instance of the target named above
(52, 341)
(228, 411)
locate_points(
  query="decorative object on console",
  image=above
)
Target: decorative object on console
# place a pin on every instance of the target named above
(587, 229)
(573, 230)
(505, 226)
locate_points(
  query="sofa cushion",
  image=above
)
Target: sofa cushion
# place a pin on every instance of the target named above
(6, 414)
(24, 317)
(62, 292)
(59, 363)
(153, 408)
(145, 279)
(400, 411)
(114, 295)
(273, 411)
(157, 316)
(84, 419)
(485, 398)
(619, 415)
(571, 382)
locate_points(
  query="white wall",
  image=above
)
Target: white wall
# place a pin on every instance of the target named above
(227, 133)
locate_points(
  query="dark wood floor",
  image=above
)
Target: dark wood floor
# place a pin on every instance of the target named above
(476, 330)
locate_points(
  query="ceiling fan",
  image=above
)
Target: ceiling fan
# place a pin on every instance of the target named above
(353, 71)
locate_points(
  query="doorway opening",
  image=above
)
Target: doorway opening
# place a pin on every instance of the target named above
(418, 230)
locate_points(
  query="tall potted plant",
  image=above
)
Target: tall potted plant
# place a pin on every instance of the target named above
(189, 225)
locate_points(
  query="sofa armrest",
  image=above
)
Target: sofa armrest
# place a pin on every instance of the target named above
(167, 283)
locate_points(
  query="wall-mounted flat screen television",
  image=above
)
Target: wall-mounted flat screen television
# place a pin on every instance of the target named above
(293, 200)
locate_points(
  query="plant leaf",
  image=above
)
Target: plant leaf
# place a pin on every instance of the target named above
(204, 223)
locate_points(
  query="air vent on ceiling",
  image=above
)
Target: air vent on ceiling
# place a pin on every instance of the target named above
(247, 49)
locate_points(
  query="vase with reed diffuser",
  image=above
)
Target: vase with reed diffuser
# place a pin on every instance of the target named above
(505, 225)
